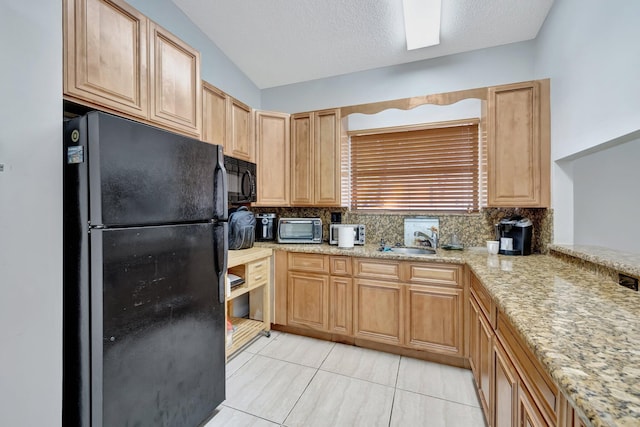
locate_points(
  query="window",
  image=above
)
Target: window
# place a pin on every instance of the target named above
(432, 168)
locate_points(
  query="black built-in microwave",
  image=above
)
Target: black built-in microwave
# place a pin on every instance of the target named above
(241, 177)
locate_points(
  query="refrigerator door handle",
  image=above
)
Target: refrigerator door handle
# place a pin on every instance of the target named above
(221, 188)
(221, 261)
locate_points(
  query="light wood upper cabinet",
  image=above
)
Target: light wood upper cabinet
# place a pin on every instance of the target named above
(518, 145)
(105, 55)
(272, 158)
(315, 158)
(302, 156)
(117, 60)
(327, 158)
(240, 143)
(214, 115)
(175, 82)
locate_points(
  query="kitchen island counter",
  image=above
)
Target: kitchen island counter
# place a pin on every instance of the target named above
(584, 329)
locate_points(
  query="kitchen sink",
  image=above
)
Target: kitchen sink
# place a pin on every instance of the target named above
(414, 251)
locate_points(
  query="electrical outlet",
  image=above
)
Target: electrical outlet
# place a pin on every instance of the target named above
(628, 281)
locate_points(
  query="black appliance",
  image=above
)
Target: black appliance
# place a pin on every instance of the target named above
(241, 176)
(145, 252)
(265, 227)
(519, 230)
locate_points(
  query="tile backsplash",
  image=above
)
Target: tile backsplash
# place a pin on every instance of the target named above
(472, 229)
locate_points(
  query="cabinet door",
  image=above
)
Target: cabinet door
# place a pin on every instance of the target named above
(105, 55)
(481, 355)
(434, 319)
(518, 154)
(302, 154)
(272, 158)
(327, 158)
(308, 297)
(529, 414)
(506, 389)
(378, 310)
(241, 142)
(214, 115)
(176, 88)
(341, 305)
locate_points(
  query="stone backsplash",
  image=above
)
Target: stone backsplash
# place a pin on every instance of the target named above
(472, 229)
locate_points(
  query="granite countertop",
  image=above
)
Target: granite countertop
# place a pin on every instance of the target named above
(584, 329)
(625, 262)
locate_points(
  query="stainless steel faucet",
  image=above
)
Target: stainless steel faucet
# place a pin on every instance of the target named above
(427, 240)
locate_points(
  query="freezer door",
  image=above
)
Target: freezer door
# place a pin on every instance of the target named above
(141, 175)
(157, 347)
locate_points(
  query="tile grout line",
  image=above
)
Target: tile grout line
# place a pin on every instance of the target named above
(308, 384)
(395, 390)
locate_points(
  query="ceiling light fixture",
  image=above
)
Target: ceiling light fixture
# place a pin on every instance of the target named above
(422, 23)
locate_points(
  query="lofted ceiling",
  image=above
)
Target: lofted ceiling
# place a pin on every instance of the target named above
(279, 42)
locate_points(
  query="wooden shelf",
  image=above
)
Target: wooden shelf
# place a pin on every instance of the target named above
(254, 265)
(245, 331)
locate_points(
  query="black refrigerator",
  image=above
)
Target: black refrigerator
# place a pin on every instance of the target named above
(145, 252)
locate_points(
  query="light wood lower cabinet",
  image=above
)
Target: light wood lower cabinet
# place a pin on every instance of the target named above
(434, 318)
(308, 300)
(378, 311)
(340, 305)
(481, 338)
(505, 397)
(518, 392)
(413, 305)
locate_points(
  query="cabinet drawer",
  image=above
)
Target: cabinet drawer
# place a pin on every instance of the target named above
(315, 263)
(377, 269)
(484, 300)
(340, 265)
(439, 274)
(258, 272)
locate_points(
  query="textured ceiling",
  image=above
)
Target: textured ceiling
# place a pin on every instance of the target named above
(279, 42)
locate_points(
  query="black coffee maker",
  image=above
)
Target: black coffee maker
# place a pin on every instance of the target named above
(515, 235)
(265, 227)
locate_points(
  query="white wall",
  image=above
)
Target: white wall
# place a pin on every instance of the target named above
(31, 213)
(216, 67)
(590, 51)
(607, 198)
(498, 65)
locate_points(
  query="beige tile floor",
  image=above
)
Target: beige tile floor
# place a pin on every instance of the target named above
(293, 381)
